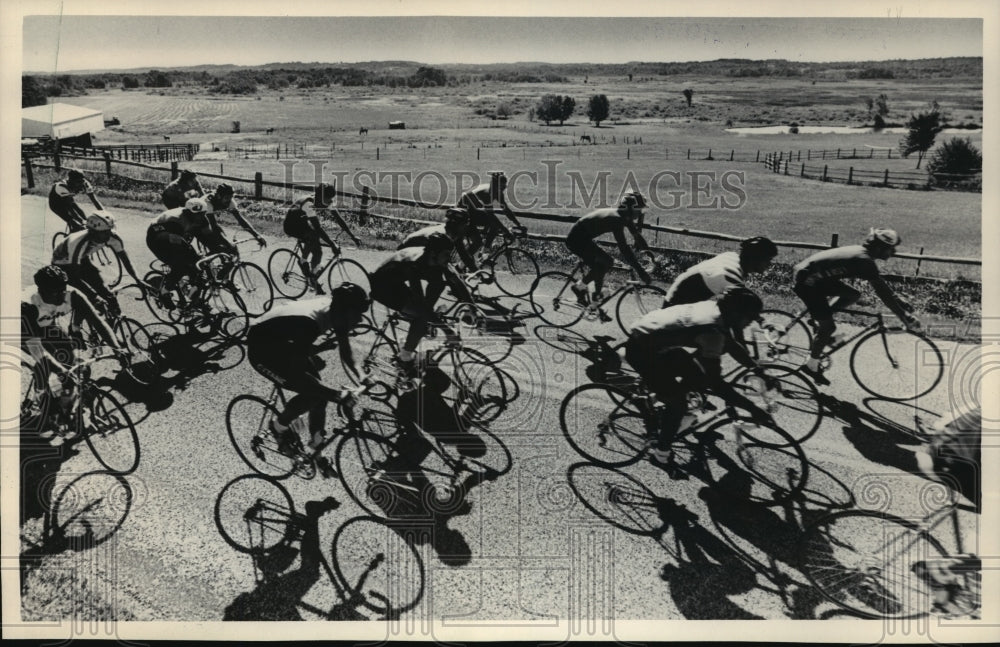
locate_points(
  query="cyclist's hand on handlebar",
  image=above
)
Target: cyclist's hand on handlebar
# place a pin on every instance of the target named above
(913, 324)
(261, 243)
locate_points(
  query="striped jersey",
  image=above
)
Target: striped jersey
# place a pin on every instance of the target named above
(80, 245)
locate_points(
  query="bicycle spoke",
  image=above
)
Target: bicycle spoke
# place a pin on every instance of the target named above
(254, 514)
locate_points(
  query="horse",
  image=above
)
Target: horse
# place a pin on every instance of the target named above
(165, 138)
(363, 131)
(269, 131)
(586, 138)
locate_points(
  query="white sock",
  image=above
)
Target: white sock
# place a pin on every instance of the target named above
(406, 355)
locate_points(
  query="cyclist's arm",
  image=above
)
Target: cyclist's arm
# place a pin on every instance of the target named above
(243, 222)
(347, 354)
(31, 334)
(629, 255)
(888, 297)
(635, 228)
(84, 311)
(463, 253)
(313, 222)
(456, 284)
(127, 264)
(335, 214)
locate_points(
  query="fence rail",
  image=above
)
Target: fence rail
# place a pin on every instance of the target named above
(778, 163)
(369, 197)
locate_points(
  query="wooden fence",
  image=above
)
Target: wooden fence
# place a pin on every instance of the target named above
(778, 163)
(134, 152)
(367, 198)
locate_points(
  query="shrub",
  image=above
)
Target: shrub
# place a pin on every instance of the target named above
(955, 164)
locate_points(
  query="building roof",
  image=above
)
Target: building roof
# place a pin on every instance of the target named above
(57, 113)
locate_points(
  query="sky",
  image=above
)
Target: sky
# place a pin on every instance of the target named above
(60, 43)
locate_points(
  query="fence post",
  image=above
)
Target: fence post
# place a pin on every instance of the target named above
(885, 180)
(258, 185)
(854, 152)
(802, 171)
(838, 153)
(731, 154)
(173, 171)
(919, 260)
(689, 153)
(834, 240)
(890, 153)
(28, 172)
(824, 153)
(787, 162)
(377, 153)
(220, 169)
(709, 154)
(56, 159)
(758, 155)
(871, 152)
(628, 153)
(850, 174)
(363, 215)
(107, 163)
(477, 152)
(824, 172)
(809, 154)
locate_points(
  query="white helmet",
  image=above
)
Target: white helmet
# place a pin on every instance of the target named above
(196, 205)
(100, 220)
(887, 237)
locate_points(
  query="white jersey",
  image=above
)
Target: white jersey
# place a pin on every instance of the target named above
(707, 279)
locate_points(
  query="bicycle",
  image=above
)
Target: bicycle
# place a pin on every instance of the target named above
(214, 304)
(510, 267)
(869, 562)
(83, 411)
(285, 269)
(249, 280)
(104, 259)
(248, 419)
(887, 361)
(558, 305)
(615, 424)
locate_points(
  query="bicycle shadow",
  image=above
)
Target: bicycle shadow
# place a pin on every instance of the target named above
(601, 351)
(877, 438)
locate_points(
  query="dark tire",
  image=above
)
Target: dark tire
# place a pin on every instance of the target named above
(346, 270)
(636, 301)
(896, 365)
(378, 566)
(286, 275)
(58, 238)
(109, 432)
(247, 418)
(144, 364)
(777, 337)
(794, 403)
(254, 514)
(514, 272)
(618, 499)
(554, 300)
(863, 561)
(232, 320)
(109, 266)
(483, 392)
(154, 278)
(254, 288)
(604, 425)
(374, 474)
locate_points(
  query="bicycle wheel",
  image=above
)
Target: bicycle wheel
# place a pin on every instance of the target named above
(346, 270)
(254, 514)
(604, 425)
(475, 450)
(863, 561)
(377, 566)
(154, 279)
(896, 364)
(109, 431)
(374, 474)
(247, 419)
(286, 274)
(254, 288)
(793, 403)
(554, 301)
(777, 337)
(109, 265)
(617, 498)
(753, 462)
(482, 390)
(143, 365)
(635, 302)
(514, 272)
(228, 313)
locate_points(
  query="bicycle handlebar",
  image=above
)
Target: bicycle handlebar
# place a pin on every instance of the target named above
(204, 260)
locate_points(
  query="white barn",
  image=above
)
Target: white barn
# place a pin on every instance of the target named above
(60, 121)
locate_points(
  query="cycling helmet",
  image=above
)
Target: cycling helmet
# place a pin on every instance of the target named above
(438, 242)
(887, 237)
(224, 190)
(75, 175)
(632, 200)
(759, 247)
(196, 205)
(191, 193)
(456, 216)
(50, 278)
(188, 174)
(741, 299)
(100, 220)
(350, 295)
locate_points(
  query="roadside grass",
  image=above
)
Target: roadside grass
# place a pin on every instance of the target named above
(52, 593)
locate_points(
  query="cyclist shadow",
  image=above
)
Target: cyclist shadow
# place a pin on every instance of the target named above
(279, 592)
(601, 351)
(878, 438)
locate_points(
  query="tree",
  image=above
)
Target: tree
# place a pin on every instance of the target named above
(957, 156)
(598, 109)
(688, 94)
(922, 129)
(549, 108)
(882, 105)
(504, 110)
(566, 107)
(32, 93)
(130, 82)
(157, 79)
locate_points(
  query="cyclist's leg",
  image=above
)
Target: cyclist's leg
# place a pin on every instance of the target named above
(815, 297)
(474, 238)
(600, 263)
(91, 277)
(844, 296)
(660, 369)
(312, 254)
(75, 277)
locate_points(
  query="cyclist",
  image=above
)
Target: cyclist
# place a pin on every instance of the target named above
(455, 227)
(51, 315)
(818, 283)
(397, 284)
(182, 189)
(61, 200)
(221, 199)
(484, 226)
(169, 238)
(281, 346)
(73, 254)
(716, 275)
(656, 350)
(613, 220)
(306, 229)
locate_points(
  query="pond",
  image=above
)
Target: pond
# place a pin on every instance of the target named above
(838, 130)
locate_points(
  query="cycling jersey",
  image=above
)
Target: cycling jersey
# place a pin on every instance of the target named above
(707, 279)
(694, 325)
(597, 223)
(293, 327)
(837, 263)
(80, 245)
(297, 223)
(174, 195)
(62, 204)
(420, 236)
(171, 222)
(37, 315)
(476, 201)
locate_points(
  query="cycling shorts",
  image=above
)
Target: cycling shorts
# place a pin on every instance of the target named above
(395, 296)
(290, 371)
(589, 251)
(817, 296)
(172, 249)
(666, 370)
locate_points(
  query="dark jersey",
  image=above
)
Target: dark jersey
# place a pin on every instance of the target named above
(597, 223)
(294, 326)
(837, 263)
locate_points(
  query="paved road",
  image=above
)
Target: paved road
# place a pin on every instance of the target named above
(524, 549)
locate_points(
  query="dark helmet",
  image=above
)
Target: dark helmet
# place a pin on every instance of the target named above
(456, 216)
(350, 295)
(632, 200)
(50, 278)
(188, 174)
(438, 242)
(758, 247)
(742, 300)
(224, 190)
(74, 175)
